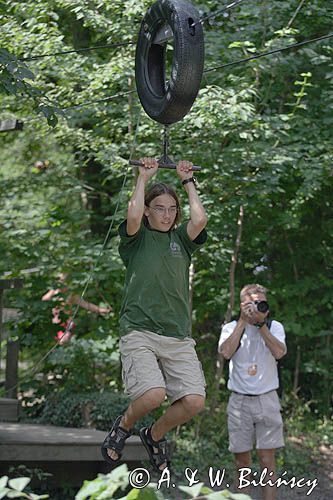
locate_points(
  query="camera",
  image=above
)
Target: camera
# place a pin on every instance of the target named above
(261, 306)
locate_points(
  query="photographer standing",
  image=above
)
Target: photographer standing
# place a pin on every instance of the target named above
(253, 343)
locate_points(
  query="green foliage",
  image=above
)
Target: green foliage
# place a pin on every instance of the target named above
(204, 443)
(13, 80)
(261, 131)
(68, 409)
(83, 364)
(13, 73)
(39, 480)
(35, 473)
(105, 486)
(13, 488)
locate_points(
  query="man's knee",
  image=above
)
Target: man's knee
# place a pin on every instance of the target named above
(153, 398)
(193, 403)
(243, 459)
(267, 459)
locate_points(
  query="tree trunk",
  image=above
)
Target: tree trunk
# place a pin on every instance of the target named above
(296, 371)
(228, 314)
(191, 284)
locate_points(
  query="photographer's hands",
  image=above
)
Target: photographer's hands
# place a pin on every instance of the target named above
(250, 314)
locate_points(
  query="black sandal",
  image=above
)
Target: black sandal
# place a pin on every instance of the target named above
(115, 442)
(159, 457)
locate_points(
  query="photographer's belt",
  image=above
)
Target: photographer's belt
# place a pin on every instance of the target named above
(253, 395)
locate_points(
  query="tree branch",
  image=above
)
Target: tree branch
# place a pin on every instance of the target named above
(295, 14)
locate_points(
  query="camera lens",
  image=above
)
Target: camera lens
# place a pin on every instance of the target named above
(262, 306)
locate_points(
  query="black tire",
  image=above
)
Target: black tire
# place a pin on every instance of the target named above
(168, 102)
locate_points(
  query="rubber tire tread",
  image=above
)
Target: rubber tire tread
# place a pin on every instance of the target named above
(169, 105)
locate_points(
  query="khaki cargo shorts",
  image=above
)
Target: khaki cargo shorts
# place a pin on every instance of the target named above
(150, 361)
(254, 419)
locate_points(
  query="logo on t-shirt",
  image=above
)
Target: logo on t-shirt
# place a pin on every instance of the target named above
(175, 249)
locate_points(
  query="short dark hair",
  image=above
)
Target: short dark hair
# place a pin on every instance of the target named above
(156, 190)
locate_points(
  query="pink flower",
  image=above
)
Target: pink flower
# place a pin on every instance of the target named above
(63, 337)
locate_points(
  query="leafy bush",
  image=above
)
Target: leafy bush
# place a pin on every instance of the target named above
(13, 488)
(84, 364)
(89, 409)
(203, 443)
(73, 374)
(70, 391)
(105, 486)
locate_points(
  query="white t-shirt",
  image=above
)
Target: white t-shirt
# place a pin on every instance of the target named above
(252, 368)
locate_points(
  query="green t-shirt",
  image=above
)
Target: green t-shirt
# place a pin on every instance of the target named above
(156, 294)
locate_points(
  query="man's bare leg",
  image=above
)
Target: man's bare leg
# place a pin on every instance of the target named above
(178, 413)
(139, 408)
(242, 460)
(267, 460)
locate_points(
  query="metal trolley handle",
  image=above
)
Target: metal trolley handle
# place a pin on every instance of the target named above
(173, 166)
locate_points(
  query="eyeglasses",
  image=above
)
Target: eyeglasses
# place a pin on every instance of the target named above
(164, 210)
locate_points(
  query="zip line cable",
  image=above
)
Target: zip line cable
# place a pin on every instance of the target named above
(71, 321)
(104, 99)
(208, 70)
(88, 103)
(74, 51)
(214, 14)
(122, 44)
(264, 54)
(108, 233)
(232, 63)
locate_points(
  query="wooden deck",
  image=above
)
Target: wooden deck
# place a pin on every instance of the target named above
(71, 455)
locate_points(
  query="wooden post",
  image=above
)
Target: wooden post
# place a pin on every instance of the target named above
(1, 312)
(11, 379)
(5, 285)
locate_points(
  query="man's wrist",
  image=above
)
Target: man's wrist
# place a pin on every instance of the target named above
(144, 179)
(241, 322)
(142, 175)
(187, 181)
(260, 324)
